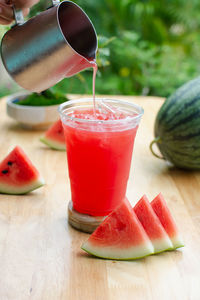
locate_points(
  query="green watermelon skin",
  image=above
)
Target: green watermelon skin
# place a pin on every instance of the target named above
(17, 174)
(177, 127)
(152, 225)
(54, 137)
(161, 209)
(120, 236)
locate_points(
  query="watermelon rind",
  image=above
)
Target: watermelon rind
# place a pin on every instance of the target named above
(131, 253)
(162, 245)
(20, 190)
(53, 144)
(177, 242)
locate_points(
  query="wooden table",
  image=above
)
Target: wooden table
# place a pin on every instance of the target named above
(40, 255)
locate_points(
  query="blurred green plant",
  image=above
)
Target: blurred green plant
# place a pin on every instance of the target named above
(156, 45)
(145, 47)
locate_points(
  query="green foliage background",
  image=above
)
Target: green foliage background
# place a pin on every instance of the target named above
(145, 47)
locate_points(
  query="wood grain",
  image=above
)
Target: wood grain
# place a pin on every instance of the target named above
(40, 255)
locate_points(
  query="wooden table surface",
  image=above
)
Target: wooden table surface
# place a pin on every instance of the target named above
(40, 255)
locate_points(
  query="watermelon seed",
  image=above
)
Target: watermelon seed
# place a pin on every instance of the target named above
(4, 171)
(9, 163)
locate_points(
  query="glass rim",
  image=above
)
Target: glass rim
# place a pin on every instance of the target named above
(137, 108)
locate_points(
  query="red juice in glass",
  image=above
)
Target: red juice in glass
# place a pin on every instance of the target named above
(99, 151)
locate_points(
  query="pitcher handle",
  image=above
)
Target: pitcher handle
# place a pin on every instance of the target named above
(18, 14)
(55, 2)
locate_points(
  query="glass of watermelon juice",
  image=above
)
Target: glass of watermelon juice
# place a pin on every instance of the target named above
(99, 143)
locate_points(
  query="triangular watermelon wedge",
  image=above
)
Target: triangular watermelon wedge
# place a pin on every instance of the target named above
(17, 174)
(162, 211)
(54, 137)
(120, 236)
(152, 225)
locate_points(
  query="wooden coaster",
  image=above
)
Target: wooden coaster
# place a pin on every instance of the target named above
(83, 222)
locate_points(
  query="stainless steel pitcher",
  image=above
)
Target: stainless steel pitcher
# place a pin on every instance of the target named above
(55, 44)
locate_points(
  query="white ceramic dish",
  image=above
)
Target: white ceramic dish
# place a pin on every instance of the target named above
(31, 117)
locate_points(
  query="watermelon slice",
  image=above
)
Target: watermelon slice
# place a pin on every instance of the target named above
(152, 225)
(54, 137)
(17, 174)
(162, 211)
(120, 236)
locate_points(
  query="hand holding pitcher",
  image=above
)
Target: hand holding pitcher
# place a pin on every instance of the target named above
(6, 9)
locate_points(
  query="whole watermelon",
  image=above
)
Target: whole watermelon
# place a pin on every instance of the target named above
(177, 127)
